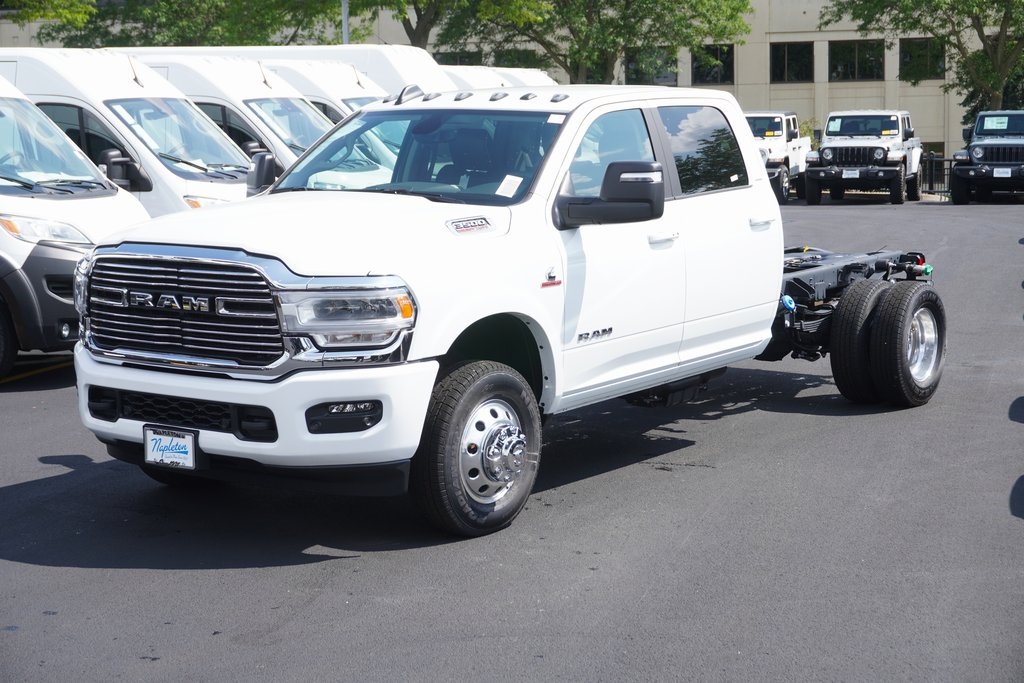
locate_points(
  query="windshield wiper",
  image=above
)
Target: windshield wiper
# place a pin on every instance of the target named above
(74, 181)
(27, 184)
(432, 196)
(179, 160)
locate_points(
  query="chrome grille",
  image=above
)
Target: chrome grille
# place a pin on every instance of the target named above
(1003, 154)
(245, 331)
(854, 156)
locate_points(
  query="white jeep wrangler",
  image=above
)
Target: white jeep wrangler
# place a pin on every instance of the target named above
(783, 148)
(866, 150)
(441, 271)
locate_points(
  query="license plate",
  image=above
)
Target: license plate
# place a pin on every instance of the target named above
(851, 173)
(169, 447)
(1002, 172)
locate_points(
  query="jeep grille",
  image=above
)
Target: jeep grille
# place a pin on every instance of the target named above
(854, 156)
(249, 336)
(1003, 154)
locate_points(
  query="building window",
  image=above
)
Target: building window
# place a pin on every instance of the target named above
(856, 60)
(792, 62)
(653, 66)
(922, 59)
(718, 72)
(459, 58)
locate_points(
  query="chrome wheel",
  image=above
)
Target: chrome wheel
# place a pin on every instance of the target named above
(923, 349)
(491, 452)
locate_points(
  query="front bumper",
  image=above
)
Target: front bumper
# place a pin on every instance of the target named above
(991, 176)
(403, 391)
(842, 174)
(40, 298)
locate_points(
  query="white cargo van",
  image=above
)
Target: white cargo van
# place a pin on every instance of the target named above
(151, 140)
(335, 88)
(471, 76)
(253, 105)
(54, 204)
(392, 67)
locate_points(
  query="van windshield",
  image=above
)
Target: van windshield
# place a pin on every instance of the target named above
(36, 155)
(298, 123)
(184, 138)
(484, 157)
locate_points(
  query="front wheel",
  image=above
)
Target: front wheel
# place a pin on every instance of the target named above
(914, 187)
(782, 186)
(8, 343)
(959, 189)
(908, 343)
(480, 452)
(850, 340)
(898, 186)
(813, 191)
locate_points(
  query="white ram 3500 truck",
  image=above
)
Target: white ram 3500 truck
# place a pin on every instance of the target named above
(404, 306)
(783, 148)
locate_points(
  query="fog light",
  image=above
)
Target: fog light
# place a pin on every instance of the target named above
(349, 416)
(65, 331)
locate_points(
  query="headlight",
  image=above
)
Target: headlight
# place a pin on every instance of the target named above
(82, 284)
(878, 154)
(348, 319)
(827, 154)
(41, 230)
(812, 157)
(978, 153)
(197, 202)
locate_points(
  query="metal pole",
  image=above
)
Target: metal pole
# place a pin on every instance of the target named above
(344, 21)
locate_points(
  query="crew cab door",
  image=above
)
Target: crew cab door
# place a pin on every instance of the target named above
(623, 281)
(731, 229)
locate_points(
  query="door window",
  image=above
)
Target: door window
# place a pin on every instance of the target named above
(616, 136)
(706, 153)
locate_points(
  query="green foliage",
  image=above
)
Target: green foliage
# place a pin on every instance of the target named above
(587, 38)
(984, 38)
(192, 22)
(70, 12)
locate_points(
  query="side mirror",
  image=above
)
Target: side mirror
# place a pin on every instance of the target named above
(124, 171)
(908, 133)
(631, 191)
(792, 135)
(966, 133)
(262, 173)
(251, 147)
(817, 134)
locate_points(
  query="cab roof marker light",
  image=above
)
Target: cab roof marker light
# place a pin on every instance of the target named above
(464, 95)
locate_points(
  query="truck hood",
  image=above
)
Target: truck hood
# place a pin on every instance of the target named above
(96, 216)
(333, 233)
(1015, 140)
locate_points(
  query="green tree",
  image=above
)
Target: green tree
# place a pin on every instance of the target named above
(587, 38)
(984, 38)
(83, 23)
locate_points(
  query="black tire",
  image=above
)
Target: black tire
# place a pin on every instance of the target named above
(813, 191)
(898, 186)
(8, 342)
(983, 195)
(850, 340)
(837, 193)
(801, 189)
(908, 343)
(477, 407)
(782, 185)
(914, 188)
(959, 189)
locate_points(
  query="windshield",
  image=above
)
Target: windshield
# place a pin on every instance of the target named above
(765, 126)
(185, 139)
(458, 155)
(356, 103)
(871, 125)
(35, 154)
(298, 123)
(1000, 124)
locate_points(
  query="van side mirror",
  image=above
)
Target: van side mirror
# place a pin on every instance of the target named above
(251, 147)
(631, 191)
(124, 171)
(262, 173)
(967, 133)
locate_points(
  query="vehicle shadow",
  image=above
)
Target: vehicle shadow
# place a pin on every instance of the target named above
(1017, 498)
(39, 373)
(107, 514)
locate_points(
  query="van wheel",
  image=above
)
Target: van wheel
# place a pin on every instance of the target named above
(480, 452)
(813, 191)
(898, 186)
(8, 342)
(850, 340)
(908, 343)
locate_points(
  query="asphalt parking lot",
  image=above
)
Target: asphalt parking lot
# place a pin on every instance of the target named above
(769, 531)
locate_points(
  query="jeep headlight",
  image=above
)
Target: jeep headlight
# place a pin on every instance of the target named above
(978, 153)
(878, 154)
(37, 230)
(348, 318)
(827, 154)
(812, 158)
